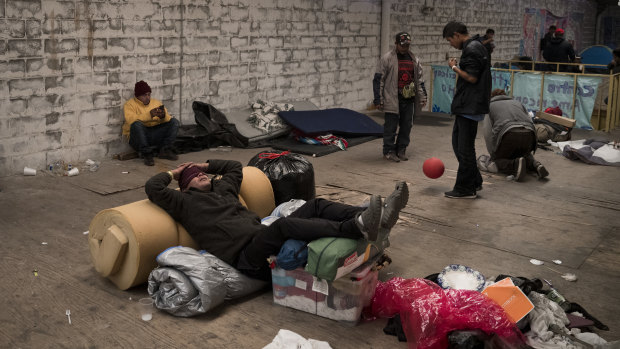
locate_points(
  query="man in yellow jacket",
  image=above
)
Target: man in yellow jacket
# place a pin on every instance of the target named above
(149, 126)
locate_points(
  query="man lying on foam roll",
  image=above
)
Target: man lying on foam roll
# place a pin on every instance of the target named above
(210, 210)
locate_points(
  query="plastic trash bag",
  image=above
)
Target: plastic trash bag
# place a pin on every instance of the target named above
(291, 175)
(429, 313)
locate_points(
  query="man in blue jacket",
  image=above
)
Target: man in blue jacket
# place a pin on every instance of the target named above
(470, 104)
(210, 210)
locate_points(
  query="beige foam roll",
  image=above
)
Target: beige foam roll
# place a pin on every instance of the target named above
(124, 241)
(256, 192)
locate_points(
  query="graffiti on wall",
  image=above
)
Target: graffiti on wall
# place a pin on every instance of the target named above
(535, 25)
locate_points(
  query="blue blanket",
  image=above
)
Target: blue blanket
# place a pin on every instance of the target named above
(338, 121)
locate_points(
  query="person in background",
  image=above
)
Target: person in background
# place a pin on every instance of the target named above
(488, 41)
(210, 210)
(148, 125)
(558, 50)
(510, 137)
(469, 105)
(398, 88)
(547, 38)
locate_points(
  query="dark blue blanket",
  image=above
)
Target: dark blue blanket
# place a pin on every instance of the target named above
(338, 121)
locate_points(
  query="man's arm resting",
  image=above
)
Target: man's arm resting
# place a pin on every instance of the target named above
(157, 190)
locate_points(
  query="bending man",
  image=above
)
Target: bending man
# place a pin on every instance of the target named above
(212, 214)
(510, 137)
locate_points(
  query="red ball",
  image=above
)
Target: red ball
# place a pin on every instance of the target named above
(433, 168)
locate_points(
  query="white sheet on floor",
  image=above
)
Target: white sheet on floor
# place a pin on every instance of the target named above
(286, 339)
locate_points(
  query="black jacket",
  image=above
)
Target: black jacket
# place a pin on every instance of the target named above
(559, 50)
(216, 220)
(473, 99)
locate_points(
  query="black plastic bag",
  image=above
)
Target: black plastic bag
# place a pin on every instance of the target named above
(290, 174)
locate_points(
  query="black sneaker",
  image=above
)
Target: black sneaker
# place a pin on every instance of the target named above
(402, 156)
(148, 160)
(393, 204)
(391, 157)
(167, 153)
(521, 170)
(453, 194)
(542, 171)
(371, 217)
(479, 187)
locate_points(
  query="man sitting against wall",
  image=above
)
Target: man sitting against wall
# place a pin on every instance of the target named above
(149, 126)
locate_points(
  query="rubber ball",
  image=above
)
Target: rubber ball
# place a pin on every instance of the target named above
(433, 168)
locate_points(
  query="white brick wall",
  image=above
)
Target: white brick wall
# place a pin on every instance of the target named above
(68, 66)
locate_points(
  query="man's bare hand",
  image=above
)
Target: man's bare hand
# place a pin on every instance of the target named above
(158, 113)
(176, 173)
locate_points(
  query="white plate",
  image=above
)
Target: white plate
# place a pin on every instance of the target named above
(460, 277)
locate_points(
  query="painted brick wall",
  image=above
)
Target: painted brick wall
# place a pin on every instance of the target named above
(68, 66)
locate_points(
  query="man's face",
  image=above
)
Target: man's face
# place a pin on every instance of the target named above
(200, 182)
(455, 41)
(491, 35)
(145, 98)
(402, 49)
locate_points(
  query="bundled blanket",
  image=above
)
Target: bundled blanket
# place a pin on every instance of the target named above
(265, 115)
(189, 282)
(591, 152)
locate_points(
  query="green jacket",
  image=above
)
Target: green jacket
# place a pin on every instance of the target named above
(217, 221)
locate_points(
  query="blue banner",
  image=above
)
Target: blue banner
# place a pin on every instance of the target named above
(443, 88)
(526, 88)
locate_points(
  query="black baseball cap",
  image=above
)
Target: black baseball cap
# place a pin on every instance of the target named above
(403, 38)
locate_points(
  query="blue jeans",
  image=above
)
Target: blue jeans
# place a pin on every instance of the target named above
(145, 139)
(404, 121)
(468, 176)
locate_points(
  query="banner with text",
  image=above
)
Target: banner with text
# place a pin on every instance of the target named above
(557, 91)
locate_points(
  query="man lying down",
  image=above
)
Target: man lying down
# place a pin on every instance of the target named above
(212, 214)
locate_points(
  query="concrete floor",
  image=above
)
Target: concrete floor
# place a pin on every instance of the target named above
(573, 217)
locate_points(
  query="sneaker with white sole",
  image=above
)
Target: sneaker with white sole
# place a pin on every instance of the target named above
(521, 169)
(453, 194)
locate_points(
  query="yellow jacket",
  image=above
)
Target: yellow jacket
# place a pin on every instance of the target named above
(136, 110)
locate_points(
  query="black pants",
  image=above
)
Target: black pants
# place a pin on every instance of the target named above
(515, 144)
(145, 139)
(468, 176)
(397, 142)
(317, 218)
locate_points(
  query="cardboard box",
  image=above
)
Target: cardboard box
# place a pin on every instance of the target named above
(560, 120)
(341, 299)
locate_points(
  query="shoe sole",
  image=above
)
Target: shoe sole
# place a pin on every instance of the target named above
(393, 159)
(462, 197)
(372, 227)
(542, 172)
(520, 170)
(393, 204)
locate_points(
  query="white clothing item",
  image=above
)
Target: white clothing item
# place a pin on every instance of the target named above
(286, 339)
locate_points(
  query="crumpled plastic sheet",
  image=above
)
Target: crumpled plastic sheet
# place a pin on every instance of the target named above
(190, 283)
(429, 313)
(286, 339)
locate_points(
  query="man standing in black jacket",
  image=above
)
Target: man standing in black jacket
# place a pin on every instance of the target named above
(214, 217)
(470, 104)
(558, 50)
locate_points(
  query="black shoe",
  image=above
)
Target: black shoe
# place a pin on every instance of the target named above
(391, 157)
(393, 204)
(521, 170)
(402, 156)
(479, 187)
(456, 195)
(542, 171)
(167, 153)
(371, 217)
(148, 160)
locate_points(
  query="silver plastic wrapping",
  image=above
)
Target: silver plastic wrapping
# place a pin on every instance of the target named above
(190, 283)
